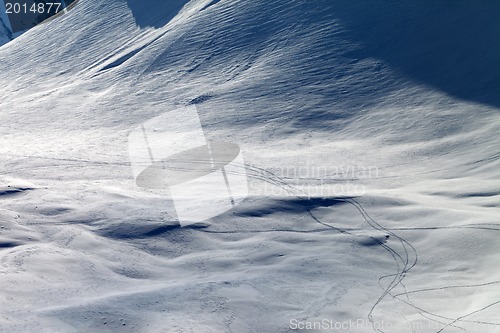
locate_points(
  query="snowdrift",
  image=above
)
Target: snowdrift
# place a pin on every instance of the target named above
(315, 93)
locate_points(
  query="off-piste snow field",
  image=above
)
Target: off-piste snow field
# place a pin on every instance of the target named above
(366, 147)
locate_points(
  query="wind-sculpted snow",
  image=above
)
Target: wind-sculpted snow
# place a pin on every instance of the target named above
(370, 139)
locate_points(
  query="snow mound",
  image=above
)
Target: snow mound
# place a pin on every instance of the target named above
(399, 99)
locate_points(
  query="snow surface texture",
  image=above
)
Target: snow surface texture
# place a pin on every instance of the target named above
(409, 89)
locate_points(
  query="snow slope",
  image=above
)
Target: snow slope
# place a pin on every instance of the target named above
(5, 34)
(308, 90)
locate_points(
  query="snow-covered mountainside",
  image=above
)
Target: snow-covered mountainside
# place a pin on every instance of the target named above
(5, 33)
(370, 138)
